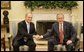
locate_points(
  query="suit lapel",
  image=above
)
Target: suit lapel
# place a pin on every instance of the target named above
(25, 26)
(57, 28)
(64, 28)
(30, 28)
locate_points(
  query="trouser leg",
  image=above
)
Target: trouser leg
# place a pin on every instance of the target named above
(51, 44)
(69, 47)
(16, 46)
(31, 45)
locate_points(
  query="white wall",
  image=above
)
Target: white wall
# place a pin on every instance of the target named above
(47, 14)
(17, 11)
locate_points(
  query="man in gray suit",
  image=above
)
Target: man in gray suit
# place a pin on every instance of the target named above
(64, 33)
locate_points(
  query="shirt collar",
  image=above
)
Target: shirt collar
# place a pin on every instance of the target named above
(27, 22)
(60, 24)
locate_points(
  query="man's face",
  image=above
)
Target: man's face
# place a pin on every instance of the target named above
(60, 18)
(28, 18)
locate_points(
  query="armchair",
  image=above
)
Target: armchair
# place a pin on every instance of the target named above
(76, 47)
(11, 37)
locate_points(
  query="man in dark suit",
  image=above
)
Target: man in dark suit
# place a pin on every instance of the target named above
(25, 34)
(64, 33)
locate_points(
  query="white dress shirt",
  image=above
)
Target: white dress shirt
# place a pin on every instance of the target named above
(28, 26)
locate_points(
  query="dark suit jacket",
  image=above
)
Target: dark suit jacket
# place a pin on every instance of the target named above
(22, 31)
(68, 32)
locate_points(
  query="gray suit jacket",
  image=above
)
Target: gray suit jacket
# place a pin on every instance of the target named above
(68, 31)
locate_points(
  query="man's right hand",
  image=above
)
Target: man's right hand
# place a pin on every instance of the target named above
(68, 42)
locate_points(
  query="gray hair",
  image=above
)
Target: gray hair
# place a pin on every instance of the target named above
(27, 14)
(60, 14)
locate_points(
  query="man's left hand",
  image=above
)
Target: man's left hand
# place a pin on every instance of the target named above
(69, 42)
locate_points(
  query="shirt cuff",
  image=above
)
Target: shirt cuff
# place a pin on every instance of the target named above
(41, 36)
(33, 36)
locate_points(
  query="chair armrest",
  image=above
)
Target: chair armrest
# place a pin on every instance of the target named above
(10, 36)
(77, 44)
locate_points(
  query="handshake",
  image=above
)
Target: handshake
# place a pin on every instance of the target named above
(37, 37)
